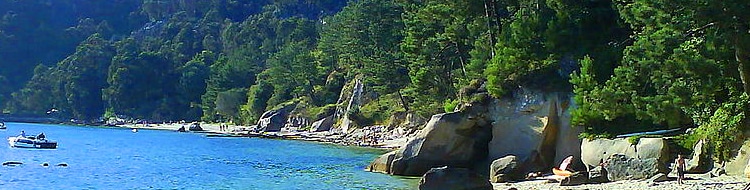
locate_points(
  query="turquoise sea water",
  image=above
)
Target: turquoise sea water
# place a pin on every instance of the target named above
(116, 158)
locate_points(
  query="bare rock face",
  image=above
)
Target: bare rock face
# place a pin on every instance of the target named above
(620, 167)
(450, 139)
(382, 163)
(504, 169)
(451, 178)
(700, 162)
(274, 120)
(535, 127)
(324, 124)
(594, 152)
(740, 164)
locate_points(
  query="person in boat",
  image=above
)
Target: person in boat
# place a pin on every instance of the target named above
(23, 134)
(41, 136)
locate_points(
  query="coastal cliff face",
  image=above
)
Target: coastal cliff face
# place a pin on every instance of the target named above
(533, 125)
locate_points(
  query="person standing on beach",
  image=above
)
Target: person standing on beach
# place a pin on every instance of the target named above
(680, 168)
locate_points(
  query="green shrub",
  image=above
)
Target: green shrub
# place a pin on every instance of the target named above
(723, 129)
(450, 105)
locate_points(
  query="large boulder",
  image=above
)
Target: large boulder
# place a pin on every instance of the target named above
(274, 120)
(700, 161)
(324, 124)
(451, 139)
(504, 169)
(535, 127)
(450, 178)
(621, 167)
(594, 152)
(598, 175)
(740, 164)
(195, 127)
(382, 163)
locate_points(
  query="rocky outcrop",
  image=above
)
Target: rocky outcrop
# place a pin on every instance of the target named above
(620, 167)
(504, 169)
(195, 127)
(351, 96)
(740, 164)
(296, 122)
(594, 152)
(450, 139)
(274, 120)
(534, 127)
(598, 175)
(700, 161)
(450, 178)
(324, 124)
(406, 120)
(382, 163)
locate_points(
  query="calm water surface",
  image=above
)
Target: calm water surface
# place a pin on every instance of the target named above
(116, 158)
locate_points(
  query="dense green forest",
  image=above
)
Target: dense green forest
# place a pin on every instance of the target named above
(631, 64)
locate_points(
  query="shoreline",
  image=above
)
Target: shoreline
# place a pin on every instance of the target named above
(235, 131)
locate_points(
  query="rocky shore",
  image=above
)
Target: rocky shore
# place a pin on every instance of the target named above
(356, 138)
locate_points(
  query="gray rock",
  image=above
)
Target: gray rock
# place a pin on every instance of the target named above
(274, 120)
(658, 178)
(382, 163)
(324, 124)
(700, 161)
(598, 175)
(450, 178)
(449, 139)
(621, 167)
(195, 127)
(504, 169)
(575, 179)
(535, 127)
(594, 152)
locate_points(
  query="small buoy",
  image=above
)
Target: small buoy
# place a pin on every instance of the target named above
(45, 164)
(11, 163)
(135, 130)
(62, 164)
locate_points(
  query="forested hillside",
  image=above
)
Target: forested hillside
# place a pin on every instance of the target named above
(631, 65)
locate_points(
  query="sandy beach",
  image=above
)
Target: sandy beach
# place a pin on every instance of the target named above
(693, 182)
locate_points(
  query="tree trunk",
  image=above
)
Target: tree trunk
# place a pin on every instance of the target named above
(461, 59)
(403, 102)
(489, 13)
(741, 55)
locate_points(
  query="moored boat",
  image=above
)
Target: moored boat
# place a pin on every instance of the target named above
(2, 125)
(31, 142)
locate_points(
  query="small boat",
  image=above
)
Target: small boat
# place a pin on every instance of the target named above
(2, 125)
(31, 142)
(135, 130)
